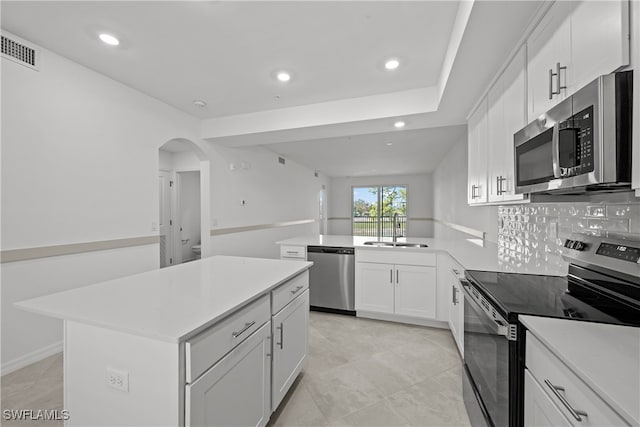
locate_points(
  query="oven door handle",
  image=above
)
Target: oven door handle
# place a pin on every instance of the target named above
(498, 326)
(555, 148)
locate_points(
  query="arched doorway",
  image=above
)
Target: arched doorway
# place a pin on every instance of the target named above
(184, 204)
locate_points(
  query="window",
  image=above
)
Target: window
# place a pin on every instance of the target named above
(374, 208)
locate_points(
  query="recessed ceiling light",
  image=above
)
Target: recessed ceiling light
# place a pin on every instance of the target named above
(392, 64)
(283, 76)
(199, 103)
(389, 144)
(399, 124)
(109, 39)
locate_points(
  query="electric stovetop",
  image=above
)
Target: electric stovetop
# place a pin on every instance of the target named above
(551, 296)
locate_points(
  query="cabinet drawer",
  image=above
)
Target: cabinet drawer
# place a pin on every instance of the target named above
(396, 256)
(287, 251)
(550, 371)
(286, 292)
(208, 347)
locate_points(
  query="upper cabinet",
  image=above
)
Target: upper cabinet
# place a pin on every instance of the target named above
(506, 116)
(477, 156)
(574, 43)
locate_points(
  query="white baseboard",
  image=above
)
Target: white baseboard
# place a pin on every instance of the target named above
(410, 320)
(29, 358)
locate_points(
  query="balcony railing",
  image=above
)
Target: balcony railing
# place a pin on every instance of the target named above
(371, 226)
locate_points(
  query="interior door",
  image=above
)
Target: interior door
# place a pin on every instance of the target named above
(166, 240)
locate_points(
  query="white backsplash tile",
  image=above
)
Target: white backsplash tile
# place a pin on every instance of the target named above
(532, 235)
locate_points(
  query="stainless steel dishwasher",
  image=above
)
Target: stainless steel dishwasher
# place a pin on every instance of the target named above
(332, 279)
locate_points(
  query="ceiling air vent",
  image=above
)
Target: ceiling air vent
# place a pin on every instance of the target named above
(19, 52)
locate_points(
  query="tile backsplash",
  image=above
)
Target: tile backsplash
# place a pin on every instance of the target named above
(531, 236)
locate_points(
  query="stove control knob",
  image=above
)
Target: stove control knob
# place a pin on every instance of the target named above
(579, 246)
(568, 243)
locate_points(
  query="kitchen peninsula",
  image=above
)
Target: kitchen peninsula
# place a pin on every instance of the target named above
(154, 348)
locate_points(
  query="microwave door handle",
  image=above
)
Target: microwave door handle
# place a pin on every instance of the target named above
(555, 148)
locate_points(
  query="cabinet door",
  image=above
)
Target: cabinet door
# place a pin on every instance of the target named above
(515, 118)
(415, 291)
(290, 346)
(374, 287)
(236, 390)
(547, 45)
(477, 155)
(599, 40)
(539, 409)
(495, 140)
(456, 316)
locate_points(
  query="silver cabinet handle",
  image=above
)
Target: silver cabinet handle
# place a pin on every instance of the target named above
(454, 295)
(454, 271)
(296, 290)
(397, 276)
(556, 390)
(391, 275)
(281, 327)
(558, 84)
(499, 180)
(292, 252)
(243, 330)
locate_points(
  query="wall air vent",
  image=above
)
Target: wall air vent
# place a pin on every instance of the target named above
(281, 160)
(19, 52)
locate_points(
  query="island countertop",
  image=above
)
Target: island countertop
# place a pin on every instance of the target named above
(470, 253)
(170, 304)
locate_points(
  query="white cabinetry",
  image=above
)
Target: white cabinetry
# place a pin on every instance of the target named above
(569, 400)
(539, 409)
(236, 390)
(448, 272)
(401, 284)
(574, 43)
(295, 252)
(477, 155)
(290, 343)
(506, 116)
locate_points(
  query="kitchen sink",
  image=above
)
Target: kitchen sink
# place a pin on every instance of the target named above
(397, 244)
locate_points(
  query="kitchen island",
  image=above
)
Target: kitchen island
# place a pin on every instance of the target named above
(156, 348)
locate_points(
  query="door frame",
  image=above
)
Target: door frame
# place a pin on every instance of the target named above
(175, 200)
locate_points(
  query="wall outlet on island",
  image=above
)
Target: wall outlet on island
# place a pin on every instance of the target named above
(117, 379)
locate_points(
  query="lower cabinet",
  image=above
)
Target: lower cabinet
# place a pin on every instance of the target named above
(236, 391)
(402, 289)
(290, 346)
(456, 314)
(539, 409)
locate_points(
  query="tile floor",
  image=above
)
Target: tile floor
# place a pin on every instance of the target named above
(359, 373)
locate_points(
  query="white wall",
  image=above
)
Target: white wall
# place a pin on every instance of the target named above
(450, 198)
(419, 201)
(272, 193)
(79, 163)
(189, 206)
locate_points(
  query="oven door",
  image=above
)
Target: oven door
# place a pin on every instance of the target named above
(486, 357)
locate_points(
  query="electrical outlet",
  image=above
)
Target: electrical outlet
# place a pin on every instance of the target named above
(117, 379)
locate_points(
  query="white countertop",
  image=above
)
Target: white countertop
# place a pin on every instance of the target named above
(471, 254)
(606, 357)
(172, 303)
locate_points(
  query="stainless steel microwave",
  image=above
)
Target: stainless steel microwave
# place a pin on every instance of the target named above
(581, 144)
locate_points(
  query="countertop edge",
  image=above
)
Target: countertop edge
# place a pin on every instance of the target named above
(584, 377)
(22, 305)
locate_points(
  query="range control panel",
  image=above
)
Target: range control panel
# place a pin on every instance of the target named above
(622, 252)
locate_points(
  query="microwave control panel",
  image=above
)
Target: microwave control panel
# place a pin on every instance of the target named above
(576, 144)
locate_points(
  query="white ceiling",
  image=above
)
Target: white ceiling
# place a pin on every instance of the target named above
(412, 152)
(226, 53)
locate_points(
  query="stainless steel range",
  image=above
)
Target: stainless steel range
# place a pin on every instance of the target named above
(603, 285)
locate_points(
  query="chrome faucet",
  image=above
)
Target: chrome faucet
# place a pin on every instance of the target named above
(395, 226)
